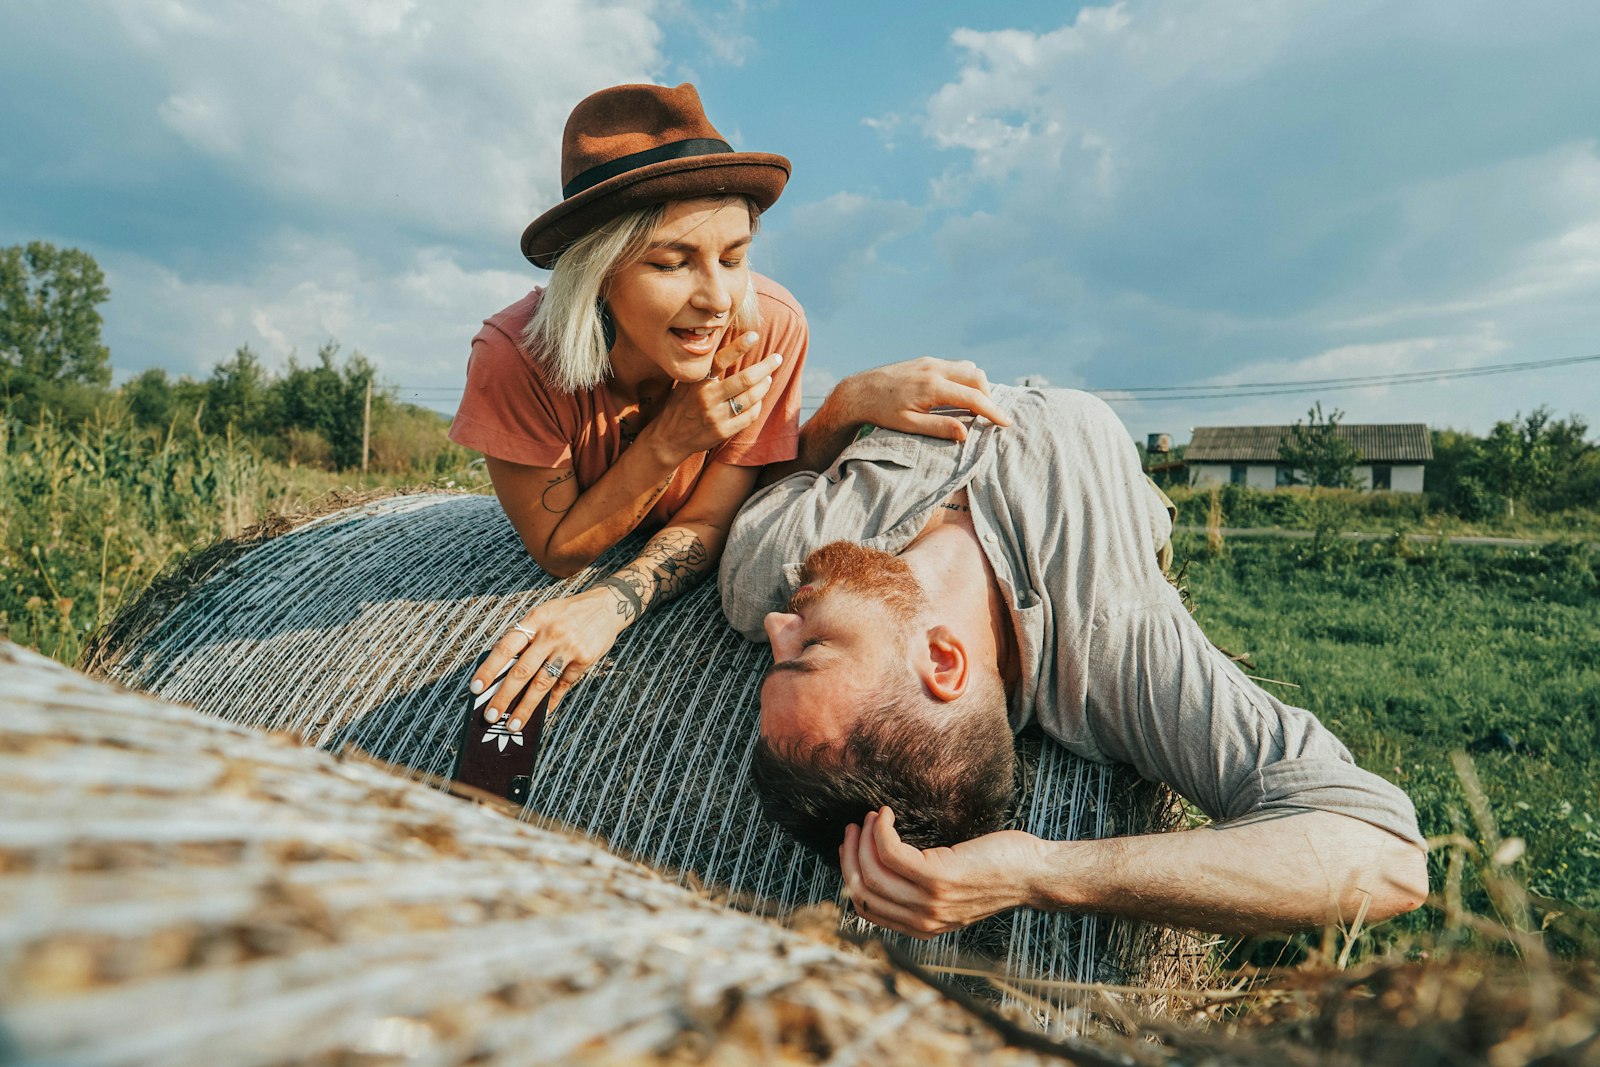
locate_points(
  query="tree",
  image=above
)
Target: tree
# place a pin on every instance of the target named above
(1316, 451)
(149, 398)
(1456, 478)
(330, 400)
(240, 395)
(50, 322)
(1528, 455)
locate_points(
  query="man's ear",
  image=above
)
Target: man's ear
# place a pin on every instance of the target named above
(948, 668)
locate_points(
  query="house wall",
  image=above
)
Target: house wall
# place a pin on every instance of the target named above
(1403, 478)
(1257, 475)
(1407, 479)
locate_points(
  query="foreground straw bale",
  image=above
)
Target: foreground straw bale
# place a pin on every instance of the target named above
(177, 890)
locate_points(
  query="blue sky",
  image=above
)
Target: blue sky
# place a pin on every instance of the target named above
(1153, 192)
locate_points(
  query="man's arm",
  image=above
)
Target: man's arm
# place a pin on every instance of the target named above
(1289, 872)
(900, 396)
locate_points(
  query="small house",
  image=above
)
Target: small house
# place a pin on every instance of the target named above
(1392, 456)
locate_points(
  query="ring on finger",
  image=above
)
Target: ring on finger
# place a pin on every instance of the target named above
(553, 667)
(526, 631)
(733, 402)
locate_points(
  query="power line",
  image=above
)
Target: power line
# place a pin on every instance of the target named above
(1368, 381)
(1234, 391)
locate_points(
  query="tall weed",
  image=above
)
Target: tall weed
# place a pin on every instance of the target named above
(90, 512)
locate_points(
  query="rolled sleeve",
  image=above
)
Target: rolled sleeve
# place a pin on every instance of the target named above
(507, 411)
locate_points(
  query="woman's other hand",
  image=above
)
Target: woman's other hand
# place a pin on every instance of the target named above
(701, 415)
(905, 396)
(568, 636)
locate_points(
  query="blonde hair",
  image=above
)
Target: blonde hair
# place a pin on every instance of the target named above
(567, 333)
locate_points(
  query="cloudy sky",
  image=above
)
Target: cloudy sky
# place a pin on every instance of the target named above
(1154, 193)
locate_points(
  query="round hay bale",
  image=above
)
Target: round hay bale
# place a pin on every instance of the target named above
(177, 890)
(359, 628)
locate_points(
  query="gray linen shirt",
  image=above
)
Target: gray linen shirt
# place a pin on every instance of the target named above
(1113, 666)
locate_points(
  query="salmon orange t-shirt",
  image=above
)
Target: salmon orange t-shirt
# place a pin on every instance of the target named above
(511, 411)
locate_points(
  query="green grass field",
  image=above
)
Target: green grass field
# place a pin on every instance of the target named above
(1410, 653)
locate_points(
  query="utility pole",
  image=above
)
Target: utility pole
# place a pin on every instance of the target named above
(366, 425)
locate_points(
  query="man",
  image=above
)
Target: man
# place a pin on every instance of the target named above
(938, 583)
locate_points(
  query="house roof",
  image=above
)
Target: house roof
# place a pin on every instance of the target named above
(1398, 442)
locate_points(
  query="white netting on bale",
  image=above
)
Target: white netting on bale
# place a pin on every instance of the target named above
(360, 628)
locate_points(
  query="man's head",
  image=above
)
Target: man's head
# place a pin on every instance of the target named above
(873, 700)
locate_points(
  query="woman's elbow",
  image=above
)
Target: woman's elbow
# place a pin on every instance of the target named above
(555, 562)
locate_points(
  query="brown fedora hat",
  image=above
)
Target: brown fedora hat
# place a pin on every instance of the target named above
(632, 146)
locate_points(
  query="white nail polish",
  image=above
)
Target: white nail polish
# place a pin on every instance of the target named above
(779, 357)
(476, 686)
(491, 716)
(749, 337)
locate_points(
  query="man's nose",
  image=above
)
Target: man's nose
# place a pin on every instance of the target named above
(781, 631)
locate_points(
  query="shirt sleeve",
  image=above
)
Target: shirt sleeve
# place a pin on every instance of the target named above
(1163, 699)
(507, 412)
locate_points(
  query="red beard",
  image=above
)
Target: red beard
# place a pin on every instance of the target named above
(867, 571)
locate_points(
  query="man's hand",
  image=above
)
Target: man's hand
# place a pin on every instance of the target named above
(926, 892)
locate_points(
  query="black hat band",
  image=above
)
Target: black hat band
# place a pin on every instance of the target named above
(694, 146)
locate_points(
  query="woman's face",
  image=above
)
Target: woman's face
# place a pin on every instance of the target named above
(674, 304)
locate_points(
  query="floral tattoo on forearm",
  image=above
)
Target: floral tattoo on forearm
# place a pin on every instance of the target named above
(674, 562)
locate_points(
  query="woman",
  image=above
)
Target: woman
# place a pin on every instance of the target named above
(644, 387)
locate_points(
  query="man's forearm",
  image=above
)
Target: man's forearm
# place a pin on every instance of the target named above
(1292, 872)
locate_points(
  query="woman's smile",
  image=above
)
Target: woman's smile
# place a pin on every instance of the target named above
(701, 341)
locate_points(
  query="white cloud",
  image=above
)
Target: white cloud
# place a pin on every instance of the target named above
(414, 319)
(447, 120)
(1072, 99)
(836, 243)
(1464, 403)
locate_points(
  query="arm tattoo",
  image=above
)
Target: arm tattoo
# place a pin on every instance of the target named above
(629, 605)
(551, 486)
(674, 562)
(650, 501)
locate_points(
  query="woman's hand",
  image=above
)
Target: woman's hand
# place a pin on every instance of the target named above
(905, 396)
(567, 637)
(701, 415)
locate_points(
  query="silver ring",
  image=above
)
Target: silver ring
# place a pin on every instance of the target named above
(521, 629)
(734, 404)
(552, 667)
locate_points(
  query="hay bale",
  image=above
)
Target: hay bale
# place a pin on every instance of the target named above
(179, 890)
(359, 629)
